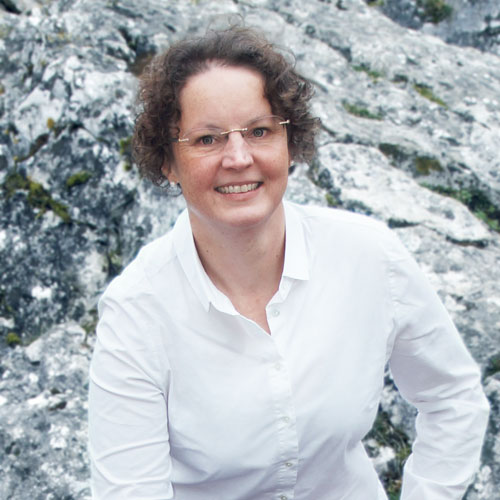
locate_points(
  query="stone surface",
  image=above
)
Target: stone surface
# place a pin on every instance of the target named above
(43, 411)
(407, 116)
(468, 23)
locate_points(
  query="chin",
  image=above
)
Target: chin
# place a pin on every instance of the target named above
(247, 217)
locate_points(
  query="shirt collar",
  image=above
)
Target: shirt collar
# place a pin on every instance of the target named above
(296, 258)
(185, 250)
(296, 264)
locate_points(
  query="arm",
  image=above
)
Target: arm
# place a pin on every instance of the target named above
(434, 371)
(128, 433)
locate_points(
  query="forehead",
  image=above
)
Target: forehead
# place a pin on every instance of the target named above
(223, 96)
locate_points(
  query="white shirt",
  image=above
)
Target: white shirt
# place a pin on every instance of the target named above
(189, 400)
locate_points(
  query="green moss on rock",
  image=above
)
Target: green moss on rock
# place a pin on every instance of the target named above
(38, 197)
(12, 339)
(475, 200)
(365, 68)
(399, 78)
(393, 152)
(493, 365)
(5, 308)
(125, 145)
(424, 165)
(332, 200)
(426, 92)
(114, 263)
(360, 111)
(5, 30)
(434, 11)
(79, 178)
(14, 182)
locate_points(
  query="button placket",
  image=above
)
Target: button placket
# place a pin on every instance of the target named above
(287, 435)
(273, 314)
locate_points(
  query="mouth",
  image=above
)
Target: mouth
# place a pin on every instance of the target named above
(240, 188)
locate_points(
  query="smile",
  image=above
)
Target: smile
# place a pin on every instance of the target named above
(244, 188)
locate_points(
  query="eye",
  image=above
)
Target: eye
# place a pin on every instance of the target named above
(259, 132)
(206, 140)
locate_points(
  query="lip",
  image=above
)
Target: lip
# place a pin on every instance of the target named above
(238, 188)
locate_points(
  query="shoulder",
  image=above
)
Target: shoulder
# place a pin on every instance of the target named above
(331, 226)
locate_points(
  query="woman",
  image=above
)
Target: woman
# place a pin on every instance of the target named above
(241, 356)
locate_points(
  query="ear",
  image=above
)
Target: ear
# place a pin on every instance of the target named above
(169, 173)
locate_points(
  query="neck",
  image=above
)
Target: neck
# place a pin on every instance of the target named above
(244, 263)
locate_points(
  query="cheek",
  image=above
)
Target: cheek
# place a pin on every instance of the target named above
(275, 160)
(197, 177)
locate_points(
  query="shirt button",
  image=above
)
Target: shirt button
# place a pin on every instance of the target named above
(286, 419)
(277, 367)
(275, 313)
(288, 464)
(283, 497)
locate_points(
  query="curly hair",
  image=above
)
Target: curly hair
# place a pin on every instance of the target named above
(164, 78)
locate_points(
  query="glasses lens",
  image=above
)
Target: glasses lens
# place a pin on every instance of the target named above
(203, 141)
(265, 131)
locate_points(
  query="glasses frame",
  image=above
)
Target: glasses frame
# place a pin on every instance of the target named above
(227, 132)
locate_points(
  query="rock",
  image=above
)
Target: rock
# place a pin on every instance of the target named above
(35, 350)
(468, 23)
(410, 133)
(43, 414)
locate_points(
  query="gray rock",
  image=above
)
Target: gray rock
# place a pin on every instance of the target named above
(43, 413)
(410, 134)
(468, 23)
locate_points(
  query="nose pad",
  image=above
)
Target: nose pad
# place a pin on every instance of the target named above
(236, 152)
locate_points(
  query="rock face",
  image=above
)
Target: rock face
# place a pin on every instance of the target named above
(468, 23)
(43, 437)
(410, 134)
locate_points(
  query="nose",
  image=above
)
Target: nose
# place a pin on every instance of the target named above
(236, 152)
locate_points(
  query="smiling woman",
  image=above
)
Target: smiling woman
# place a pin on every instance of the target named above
(242, 355)
(231, 180)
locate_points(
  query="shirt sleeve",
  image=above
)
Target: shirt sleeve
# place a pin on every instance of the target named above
(128, 432)
(434, 371)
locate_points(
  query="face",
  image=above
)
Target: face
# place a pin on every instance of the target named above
(241, 186)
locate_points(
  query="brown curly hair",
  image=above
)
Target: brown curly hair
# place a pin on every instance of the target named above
(163, 79)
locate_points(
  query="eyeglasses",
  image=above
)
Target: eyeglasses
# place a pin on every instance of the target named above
(262, 132)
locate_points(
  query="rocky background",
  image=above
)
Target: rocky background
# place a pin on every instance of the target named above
(408, 92)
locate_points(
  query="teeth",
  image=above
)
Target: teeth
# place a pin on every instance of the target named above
(238, 189)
